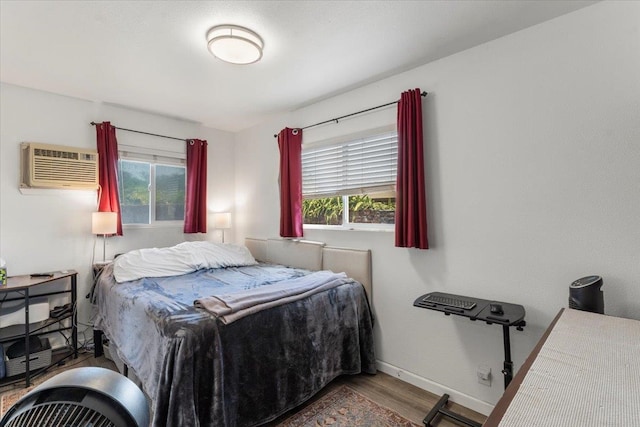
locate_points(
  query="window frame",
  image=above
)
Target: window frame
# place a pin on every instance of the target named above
(351, 226)
(153, 160)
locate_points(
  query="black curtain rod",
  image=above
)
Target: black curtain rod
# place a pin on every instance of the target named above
(146, 133)
(352, 114)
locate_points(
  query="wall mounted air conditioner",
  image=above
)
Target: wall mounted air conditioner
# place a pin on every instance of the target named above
(55, 166)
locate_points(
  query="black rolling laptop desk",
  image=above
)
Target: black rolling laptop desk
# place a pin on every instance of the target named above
(512, 315)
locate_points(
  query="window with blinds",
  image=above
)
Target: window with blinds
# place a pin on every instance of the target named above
(361, 166)
(351, 183)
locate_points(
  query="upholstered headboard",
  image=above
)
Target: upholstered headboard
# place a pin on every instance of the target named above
(356, 263)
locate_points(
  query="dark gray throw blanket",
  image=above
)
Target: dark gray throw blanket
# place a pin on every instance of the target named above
(199, 371)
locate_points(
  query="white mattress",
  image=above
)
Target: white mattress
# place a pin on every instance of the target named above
(586, 374)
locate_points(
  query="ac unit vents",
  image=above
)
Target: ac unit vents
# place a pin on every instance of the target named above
(54, 166)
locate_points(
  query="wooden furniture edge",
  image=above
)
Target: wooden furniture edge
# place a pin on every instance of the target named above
(18, 283)
(501, 407)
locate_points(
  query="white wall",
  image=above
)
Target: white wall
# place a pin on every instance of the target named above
(51, 229)
(533, 180)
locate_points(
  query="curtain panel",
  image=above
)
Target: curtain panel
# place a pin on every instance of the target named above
(195, 204)
(290, 145)
(107, 147)
(411, 200)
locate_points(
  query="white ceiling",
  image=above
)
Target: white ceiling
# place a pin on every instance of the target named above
(152, 55)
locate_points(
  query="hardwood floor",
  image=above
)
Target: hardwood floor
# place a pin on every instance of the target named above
(407, 400)
(410, 401)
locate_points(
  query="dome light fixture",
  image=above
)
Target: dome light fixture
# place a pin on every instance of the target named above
(234, 44)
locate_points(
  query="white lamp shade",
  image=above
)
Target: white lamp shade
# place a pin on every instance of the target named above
(104, 222)
(222, 220)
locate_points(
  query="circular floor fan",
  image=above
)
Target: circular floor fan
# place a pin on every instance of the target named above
(81, 397)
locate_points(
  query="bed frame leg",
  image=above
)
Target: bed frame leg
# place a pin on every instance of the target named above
(97, 343)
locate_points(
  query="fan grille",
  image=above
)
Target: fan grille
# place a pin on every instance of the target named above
(60, 414)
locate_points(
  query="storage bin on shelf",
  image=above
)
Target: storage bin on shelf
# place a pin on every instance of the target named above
(37, 360)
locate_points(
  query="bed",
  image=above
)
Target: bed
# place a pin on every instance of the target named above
(250, 362)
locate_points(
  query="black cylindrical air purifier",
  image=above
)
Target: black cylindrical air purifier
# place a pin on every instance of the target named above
(585, 294)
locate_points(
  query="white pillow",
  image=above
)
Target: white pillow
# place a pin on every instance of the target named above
(180, 259)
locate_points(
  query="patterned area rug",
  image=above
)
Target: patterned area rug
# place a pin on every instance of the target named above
(345, 407)
(8, 398)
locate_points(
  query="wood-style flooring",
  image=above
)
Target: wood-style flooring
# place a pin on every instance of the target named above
(412, 402)
(407, 400)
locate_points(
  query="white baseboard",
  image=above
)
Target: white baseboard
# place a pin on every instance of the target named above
(436, 388)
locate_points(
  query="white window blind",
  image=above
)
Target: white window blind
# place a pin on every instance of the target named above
(359, 166)
(132, 152)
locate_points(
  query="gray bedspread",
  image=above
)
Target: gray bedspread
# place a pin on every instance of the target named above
(199, 371)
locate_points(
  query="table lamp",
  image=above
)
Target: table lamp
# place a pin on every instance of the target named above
(222, 221)
(104, 223)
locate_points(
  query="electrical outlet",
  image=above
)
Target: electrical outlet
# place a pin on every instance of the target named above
(484, 375)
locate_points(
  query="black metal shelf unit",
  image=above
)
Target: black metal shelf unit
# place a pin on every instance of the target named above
(23, 287)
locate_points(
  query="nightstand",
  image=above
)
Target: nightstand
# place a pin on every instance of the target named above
(98, 266)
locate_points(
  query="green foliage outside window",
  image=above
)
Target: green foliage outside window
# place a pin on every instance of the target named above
(362, 209)
(135, 192)
(326, 211)
(363, 202)
(134, 183)
(170, 184)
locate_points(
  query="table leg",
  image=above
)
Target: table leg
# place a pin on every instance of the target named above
(507, 366)
(439, 408)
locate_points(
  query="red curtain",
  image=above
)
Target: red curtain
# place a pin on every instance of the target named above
(411, 199)
(195, 204)
(107, 146)
(290, 145)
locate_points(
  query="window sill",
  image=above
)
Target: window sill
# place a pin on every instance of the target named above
(376, 229)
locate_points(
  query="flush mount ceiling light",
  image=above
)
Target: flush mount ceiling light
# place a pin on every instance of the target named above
(234, 44)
